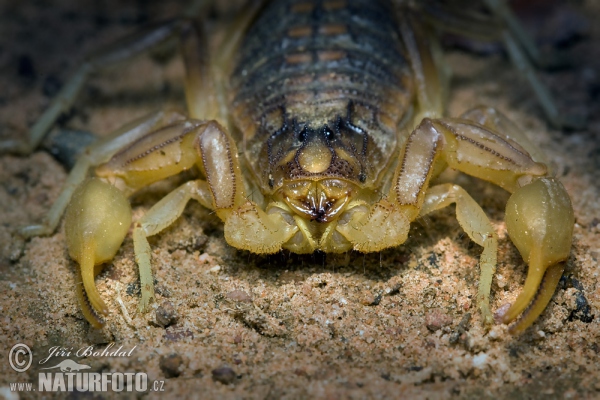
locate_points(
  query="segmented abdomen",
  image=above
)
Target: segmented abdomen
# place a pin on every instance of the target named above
(309, 63)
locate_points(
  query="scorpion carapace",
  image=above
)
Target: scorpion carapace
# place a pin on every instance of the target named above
(317, 125)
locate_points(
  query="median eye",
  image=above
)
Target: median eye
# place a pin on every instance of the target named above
(328, 133)
(303, 135)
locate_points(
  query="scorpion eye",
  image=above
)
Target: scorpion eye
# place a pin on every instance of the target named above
(328, 133)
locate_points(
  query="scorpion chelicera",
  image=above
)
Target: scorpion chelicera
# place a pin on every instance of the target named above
(330, 112)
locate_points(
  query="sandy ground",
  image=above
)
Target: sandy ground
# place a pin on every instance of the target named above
(228, 324)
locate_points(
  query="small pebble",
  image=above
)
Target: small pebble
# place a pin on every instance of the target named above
(170, 365)
(239, 295)
(204, 257)
(541, 334)
(371, 299)
(225, 375)
(479, 361)
(495, 332)
(437, 319)
(499, 314)
(166, 314)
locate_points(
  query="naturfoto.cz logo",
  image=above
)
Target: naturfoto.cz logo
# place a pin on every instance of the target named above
(71, 376)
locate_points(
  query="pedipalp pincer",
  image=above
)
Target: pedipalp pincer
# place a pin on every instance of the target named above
(331, 114)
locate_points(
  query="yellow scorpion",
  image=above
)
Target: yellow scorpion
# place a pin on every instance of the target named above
(331, 113)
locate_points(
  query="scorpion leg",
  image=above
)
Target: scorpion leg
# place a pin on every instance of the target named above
(190, 33)
(524, 66)
(152, 148)
(160, 216)
(191, 36)
(497, 122)
(155, 156)
(476, 224)
(539, 215)
(386, 223)
(137, 163)
(430, 83)
(199, 92)
(94, 155)
(504, 27)
(205, 87)
(98, 214)
(127, 48)
(521, 37)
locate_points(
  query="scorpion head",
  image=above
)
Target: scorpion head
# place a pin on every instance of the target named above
(320, 173)
(314, 151)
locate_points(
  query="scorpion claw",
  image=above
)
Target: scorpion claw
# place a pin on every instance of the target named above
(96, 222)
(540, 301)
(86, 265)
(539, 220)
(88, 311)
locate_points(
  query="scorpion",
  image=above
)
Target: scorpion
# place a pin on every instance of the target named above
(330, 113)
